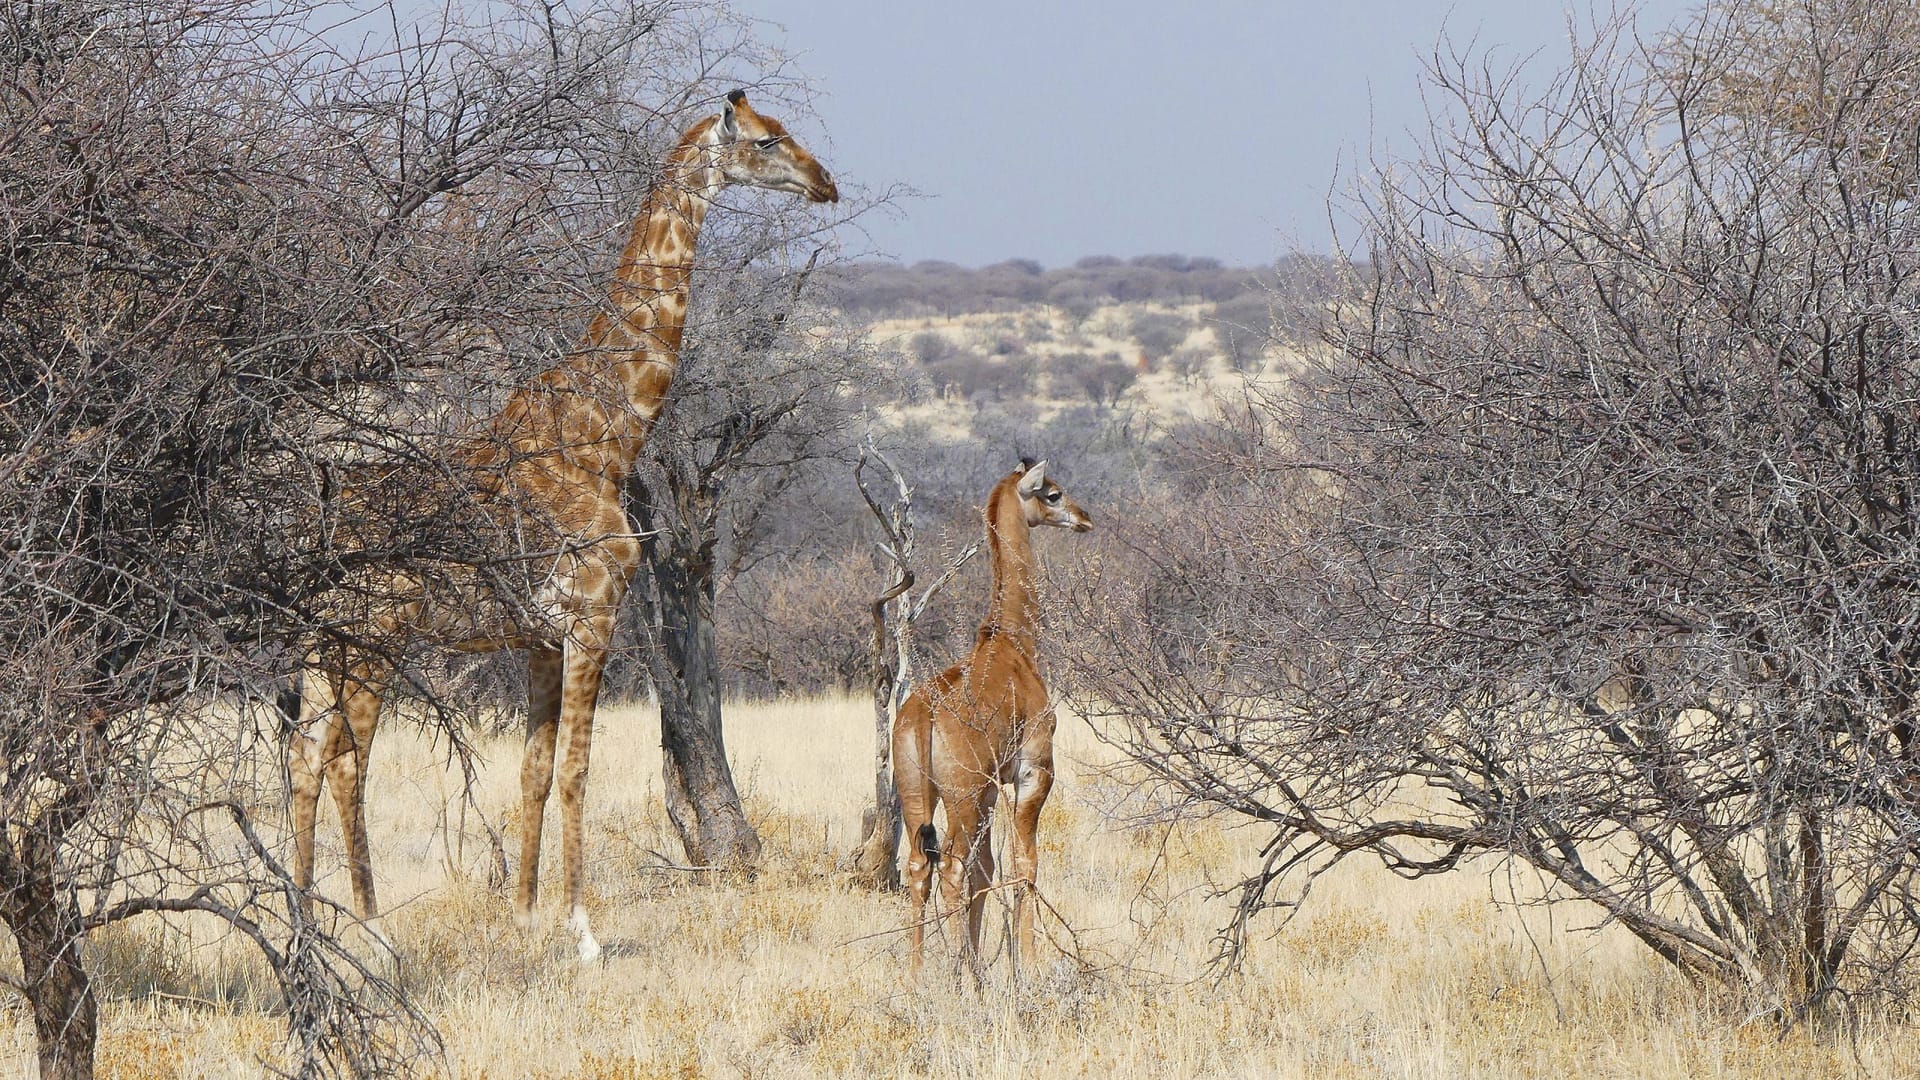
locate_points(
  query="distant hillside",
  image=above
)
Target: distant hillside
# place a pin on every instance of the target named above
(893, 290)
(1158, 333)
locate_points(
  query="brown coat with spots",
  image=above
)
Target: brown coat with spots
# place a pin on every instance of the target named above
(545, 477)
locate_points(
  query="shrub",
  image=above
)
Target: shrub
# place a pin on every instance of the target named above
(1159, 333)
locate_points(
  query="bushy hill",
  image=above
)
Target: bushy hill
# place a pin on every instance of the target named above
(877, 290)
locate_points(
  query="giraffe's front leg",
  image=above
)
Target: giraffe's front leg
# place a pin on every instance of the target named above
(358, 709)
(580, 692)
(979, 883)
(307, 750)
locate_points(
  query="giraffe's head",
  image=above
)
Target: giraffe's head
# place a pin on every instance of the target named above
(755, 150)
(1044, 502)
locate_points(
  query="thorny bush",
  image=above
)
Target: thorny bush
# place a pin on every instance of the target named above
(1588, 538)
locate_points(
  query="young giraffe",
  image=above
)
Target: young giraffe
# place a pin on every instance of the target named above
(985, 722)
(547, 474)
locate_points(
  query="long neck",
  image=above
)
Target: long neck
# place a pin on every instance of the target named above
(1011, 611)
(650, 287)
(638, 341)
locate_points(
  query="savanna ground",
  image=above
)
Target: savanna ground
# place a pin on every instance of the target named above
(795, 972)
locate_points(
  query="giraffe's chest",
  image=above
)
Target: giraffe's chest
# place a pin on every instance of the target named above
(543, 598)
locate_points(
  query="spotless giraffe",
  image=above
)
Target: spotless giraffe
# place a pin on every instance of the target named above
(982, 723)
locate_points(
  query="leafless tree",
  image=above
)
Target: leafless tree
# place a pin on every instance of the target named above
(759, 409)
(1589, 542)
(240, 260)
(892, 651)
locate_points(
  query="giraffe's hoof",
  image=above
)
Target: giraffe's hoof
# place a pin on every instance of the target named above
(589, 946)
(386, 958)
(377, 929)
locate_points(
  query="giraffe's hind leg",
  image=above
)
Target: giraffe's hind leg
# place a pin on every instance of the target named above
(536, 775)
(917, 801)
(967, 856)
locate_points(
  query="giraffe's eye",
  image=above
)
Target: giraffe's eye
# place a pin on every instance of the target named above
(767, 143)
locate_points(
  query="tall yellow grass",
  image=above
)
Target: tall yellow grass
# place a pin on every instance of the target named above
(797, 974)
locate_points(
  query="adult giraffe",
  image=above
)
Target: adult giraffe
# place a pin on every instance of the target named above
(546, 474)
(985, 722)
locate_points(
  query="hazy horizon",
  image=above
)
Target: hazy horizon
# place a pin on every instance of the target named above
(1061, 131)
(1069, 263)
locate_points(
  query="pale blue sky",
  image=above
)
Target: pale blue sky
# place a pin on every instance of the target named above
(1055, 130)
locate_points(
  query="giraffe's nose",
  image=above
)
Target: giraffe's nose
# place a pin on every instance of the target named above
(824, 189)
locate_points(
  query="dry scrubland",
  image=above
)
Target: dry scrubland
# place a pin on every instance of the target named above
(1044, 334)
(794, 974)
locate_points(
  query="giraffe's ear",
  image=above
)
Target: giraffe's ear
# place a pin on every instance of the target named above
(729, 127)
(1030, 483)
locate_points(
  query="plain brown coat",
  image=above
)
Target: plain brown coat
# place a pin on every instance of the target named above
(982, 723)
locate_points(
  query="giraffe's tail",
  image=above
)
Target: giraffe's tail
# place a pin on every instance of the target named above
(286, 703)
(913, 773)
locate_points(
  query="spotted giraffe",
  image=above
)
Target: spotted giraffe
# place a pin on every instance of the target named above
(546, 475)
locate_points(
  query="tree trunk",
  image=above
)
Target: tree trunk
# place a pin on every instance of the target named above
(46, 930)
(702, 801)
(1816, 901)
(877, 862)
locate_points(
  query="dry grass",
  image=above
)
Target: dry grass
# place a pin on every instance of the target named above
(793, 973)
